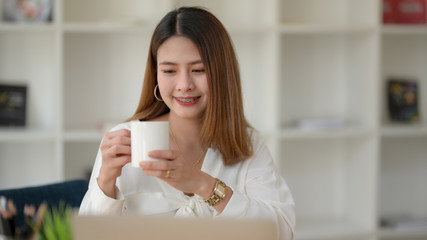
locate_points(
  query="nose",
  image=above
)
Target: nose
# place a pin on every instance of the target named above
(184, 82)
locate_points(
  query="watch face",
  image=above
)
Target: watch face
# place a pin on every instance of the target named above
(218, 194)
(220, 190)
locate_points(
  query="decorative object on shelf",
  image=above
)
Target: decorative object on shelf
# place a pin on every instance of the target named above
(13, 104)
(404, 11)
(27, 10)
(403, 100)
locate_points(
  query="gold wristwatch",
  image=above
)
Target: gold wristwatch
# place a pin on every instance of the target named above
(217, 194)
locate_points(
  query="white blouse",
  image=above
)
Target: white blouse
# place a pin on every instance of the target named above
(258, 191)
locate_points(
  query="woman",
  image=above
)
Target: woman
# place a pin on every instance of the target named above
(217, 165)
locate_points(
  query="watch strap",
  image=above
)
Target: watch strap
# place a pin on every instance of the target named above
(217, 194)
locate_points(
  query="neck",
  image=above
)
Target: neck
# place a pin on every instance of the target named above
(186, 131)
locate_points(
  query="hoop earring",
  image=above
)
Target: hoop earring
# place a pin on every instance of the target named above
(155, 93)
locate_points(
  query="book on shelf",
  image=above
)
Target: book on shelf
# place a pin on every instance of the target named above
(404, 11)
(403, 100)
(15, 11)
(13, 105)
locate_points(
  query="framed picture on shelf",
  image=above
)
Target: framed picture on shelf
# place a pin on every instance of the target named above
(403, 97)
(13, 105)
(15, 11)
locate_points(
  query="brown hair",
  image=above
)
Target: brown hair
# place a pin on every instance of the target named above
(224, 126)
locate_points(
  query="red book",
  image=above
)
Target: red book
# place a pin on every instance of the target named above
(404, 11)
(389, 11)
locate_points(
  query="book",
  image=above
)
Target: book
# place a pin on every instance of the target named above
(404, 11)
(389, 11)
(13, 105)
(403, 100)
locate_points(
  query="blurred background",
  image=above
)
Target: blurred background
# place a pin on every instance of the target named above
(338, 88)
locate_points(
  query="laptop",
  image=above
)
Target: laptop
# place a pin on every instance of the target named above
(153, 228)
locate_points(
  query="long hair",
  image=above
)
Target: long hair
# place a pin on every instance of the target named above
(224, 126)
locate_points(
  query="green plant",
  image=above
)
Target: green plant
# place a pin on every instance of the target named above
(56, 223)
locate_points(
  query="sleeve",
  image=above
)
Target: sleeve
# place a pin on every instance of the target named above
(95, 202)
(265, 193)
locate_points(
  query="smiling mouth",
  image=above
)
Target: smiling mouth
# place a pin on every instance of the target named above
(187, 99)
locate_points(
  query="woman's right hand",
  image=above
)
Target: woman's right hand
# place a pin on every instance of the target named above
(116, 152)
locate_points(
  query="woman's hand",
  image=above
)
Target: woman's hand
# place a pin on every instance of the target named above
(182, 175)
(116, 152)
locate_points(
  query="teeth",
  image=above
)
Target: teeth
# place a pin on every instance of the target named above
(187, 99)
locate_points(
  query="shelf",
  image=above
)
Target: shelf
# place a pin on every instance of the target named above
(251, 30)
(325, 29)
(146, 28)
(107, 27)
(83, 135)
(411, 130)
(26, 135)
(404, 29)
(403, 172)
(330, 229)
(402, 233)
(295, 134)
(26, 27)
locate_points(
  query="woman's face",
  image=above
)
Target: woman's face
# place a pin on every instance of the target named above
(182, 77)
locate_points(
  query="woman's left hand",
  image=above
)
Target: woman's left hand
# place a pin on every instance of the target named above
(179, 174)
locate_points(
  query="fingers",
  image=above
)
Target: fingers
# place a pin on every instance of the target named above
(157, 165)
(116, 143)
(121, 132)
(163, 154)
(163, 174)
(118, 150)
(120, 137)
(160, 169)
(120, 161)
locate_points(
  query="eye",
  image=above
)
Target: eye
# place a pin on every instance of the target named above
(199, 70)
(168, 71)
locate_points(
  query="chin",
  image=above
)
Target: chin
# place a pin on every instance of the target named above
(189, 115)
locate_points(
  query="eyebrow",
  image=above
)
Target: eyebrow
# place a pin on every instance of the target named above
(172, 63)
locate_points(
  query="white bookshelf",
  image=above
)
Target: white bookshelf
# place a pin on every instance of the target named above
(403, 147)
(299, 59)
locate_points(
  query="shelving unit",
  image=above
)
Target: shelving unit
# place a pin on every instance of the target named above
(299, 59)
(403, 147)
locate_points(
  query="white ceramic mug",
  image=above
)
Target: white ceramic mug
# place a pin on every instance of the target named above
(147, 136)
